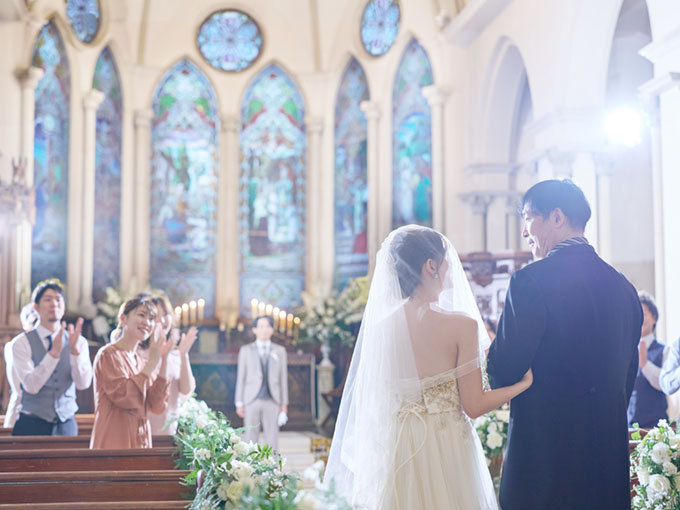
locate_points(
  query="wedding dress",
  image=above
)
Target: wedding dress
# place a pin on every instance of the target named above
(402, 440)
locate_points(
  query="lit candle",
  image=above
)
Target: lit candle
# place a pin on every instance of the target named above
(260, 308)
(253, 307)
(276, 312)
(290, 324)
(192, 312)
(185, 315)
(201, 309)
(178, 316)
(268, 309)
(296, 329)
(282, 321)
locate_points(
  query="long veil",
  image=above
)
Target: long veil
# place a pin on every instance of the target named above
(383, 369)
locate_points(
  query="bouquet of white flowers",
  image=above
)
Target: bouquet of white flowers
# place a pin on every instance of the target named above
(655, 463)
(492, 429)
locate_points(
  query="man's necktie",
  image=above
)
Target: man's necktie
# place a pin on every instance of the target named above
(49, 339)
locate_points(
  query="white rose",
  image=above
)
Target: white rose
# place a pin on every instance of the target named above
(241, 448)
(669, 468)
(494, 440)
(202, 453)
(234, 491)
(306, 501)
(201, 421)
(223, 490)
(662, 423)
(674, 440)
(658, 484)
(643, 475)
(503, 415)
(492, 428)
(241, 470)
(661, 453)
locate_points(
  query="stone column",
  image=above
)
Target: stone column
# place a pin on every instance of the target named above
(371, 110)
(28, 81)
(562, 163)
(603, 171)
(479, 206)
(436, 97)
(142, 215)
(91, 102)
(314, 249)
(227, 291)
(512, 221)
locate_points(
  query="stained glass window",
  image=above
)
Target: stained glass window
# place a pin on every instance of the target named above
(272, 191)
(50, 152)
(351, 192)
(379, 26)
(184, 169)
(84, 17)
(411, 140)
(107, 189)
(230, 40)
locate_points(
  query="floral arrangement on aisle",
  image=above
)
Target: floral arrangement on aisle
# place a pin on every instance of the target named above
(332, 317)
(240, 475)
(655, 463)
(492, 429)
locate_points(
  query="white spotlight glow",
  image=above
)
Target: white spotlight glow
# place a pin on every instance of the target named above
(623, 126)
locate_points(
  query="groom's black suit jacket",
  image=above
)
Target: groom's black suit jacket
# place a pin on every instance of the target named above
(575, 321)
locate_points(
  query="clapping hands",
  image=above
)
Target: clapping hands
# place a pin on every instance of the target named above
(73, 337)
(187, 341)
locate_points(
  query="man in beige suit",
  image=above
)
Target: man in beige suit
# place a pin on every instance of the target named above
(262, 384)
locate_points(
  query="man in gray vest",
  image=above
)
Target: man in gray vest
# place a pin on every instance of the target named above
(262, 384)
(51, 362)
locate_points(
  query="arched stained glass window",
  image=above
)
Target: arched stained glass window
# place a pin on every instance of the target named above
(107, 191)
(230, 40)
(411, 140)
(351, 191)
(379, 26)
(51, 153)
(272, 191)
(84, 17)
(184, 165)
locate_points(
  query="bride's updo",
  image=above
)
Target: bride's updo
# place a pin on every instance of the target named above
(411, 248)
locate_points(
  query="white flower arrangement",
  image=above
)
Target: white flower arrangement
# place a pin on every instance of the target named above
(492, 429)
(654, 468)
(332, 317)
(237, 474)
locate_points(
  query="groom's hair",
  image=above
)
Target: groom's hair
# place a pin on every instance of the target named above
(546, 196)
(411, 249)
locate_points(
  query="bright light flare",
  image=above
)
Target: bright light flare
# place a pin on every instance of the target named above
(623, 126)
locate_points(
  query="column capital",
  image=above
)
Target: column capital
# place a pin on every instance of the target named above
(143, 118)
(436, 94)
(314, 125)
(92, 99)
(371, 109)
(30, 77)
(562, 162)
(604, 163)
(229, 123)
(478, 201)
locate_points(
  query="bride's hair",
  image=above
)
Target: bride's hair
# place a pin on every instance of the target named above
(411, 249)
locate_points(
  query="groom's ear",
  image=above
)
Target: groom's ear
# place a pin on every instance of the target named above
(557, 218)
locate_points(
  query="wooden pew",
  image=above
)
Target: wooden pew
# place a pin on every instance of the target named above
(81, 459)
(101, 505)
(85, 422)
(52, 442)
(83, 487)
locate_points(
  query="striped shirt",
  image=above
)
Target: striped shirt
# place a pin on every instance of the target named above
(572, 241)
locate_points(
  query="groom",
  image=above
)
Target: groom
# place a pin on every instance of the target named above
(575, 321)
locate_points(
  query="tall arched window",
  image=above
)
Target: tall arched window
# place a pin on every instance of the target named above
(272, 191)
(411, 140)
(50, 152)
(184, 186)
(351, 191)
(107, 189)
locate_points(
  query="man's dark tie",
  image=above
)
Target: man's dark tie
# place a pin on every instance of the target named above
(49, 339)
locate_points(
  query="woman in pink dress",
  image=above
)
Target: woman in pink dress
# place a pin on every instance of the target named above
(126, 388)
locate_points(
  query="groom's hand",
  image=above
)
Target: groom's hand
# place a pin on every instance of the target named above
(642, 354)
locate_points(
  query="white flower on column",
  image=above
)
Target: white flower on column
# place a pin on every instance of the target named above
(495, 440)
(661, 453)
(658, 485)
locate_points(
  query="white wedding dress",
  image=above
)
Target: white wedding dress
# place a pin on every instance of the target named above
(439, 462)
(402, 441)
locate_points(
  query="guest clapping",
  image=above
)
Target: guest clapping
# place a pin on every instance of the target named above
(179, 375)
(126, 388)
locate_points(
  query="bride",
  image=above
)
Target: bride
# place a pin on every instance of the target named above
(404, 439)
